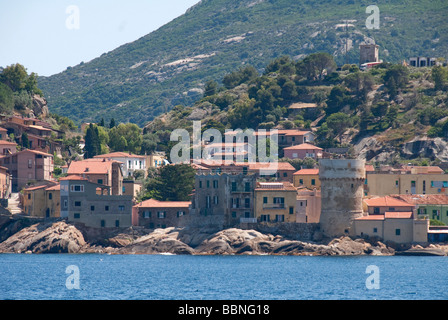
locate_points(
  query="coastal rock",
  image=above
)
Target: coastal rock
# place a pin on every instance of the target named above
(58, 237)
(158, 241)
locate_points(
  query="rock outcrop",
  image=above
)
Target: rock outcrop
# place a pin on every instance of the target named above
(58, 237)
(61, 237)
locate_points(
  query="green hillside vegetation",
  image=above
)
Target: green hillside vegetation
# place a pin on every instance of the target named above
(392, 102)
(171, 66)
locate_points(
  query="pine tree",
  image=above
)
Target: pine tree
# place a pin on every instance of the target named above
(112, 123)
(92, 142)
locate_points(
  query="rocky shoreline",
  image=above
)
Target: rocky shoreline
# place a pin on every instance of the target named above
(24, 236)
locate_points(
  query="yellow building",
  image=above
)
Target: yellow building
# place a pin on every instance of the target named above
(399, 227)
(308, 178)
(42, 201)
(275, 202)
(407, 180)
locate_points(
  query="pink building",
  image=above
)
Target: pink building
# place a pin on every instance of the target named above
(28, 166)
(301, 151)
(308, 205)
(7, 147)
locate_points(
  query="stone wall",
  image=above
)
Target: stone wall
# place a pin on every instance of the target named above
(291, 230)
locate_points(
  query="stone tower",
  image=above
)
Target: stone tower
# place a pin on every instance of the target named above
(368, 53)
(342, 190)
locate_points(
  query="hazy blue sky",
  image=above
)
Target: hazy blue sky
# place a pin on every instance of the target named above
(45, 36)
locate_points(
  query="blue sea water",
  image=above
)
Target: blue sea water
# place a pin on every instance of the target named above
(171, 277)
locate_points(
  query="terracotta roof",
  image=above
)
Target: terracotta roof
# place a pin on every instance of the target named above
(369, 168)
(386, 201)
(35, 188)
(275, 186)
(307, 171)
(153, 203)
(72, 177)
(4, 142)
(288, 132)
(398, 215)
(423, 169)
(303, 146)
(119, 155)
(280, 165)
(90, 166)
(54, 188)
(423, 198)
(372, 217)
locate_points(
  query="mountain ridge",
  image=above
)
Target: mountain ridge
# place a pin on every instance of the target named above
(140, 80)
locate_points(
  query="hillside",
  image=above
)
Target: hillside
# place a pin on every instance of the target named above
(169, 67)
(388, 114)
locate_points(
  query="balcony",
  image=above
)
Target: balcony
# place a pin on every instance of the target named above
(248, 220)
(274, 206)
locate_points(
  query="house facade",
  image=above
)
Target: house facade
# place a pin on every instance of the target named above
(92, 205)
(302, 151)
(130, 162)
(101, 171)
(28, 166)
(275, 202)
(42, 201)
(308, 205)
(308, 178)
(160, 214)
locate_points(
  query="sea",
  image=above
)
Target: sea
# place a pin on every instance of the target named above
(230, 277)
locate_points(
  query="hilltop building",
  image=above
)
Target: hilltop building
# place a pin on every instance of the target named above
(129, 162)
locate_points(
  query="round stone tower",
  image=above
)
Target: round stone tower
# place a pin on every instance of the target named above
(342, 190)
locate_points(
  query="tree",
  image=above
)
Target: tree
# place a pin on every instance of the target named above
(25, 141)
(439, 75)
(337, 99)
(126, 137)
(92, 142)
(211, 88)
(395, 78)
(112, 123)
(316, 65)
(360, 83)
(240, 76)
(172, 183)
(339, 122)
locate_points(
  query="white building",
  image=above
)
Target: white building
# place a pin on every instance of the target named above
(130, 162)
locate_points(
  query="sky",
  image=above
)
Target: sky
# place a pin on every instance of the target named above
(47, 36)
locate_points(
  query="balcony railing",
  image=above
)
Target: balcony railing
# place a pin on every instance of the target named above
(248, 220)
(274, 206)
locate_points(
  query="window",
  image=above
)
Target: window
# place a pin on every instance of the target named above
(265, 218)
(391, 208)
(77, 188)
(301, 181)
(279, 218)
(161, 214)
(376, 210)
(247, 187)
(103, 223)
(29, 196)
(233, 186)
(117, 223)
(208, 184)
(279, 200)
(65, 203)
(30, 163)
(291, 210)
(100, 181)
(375, 230)
(76, 215)
(180, 213)
(397, 232)
(106, 208)
(247, 203)
(396, 183)
(233, 214)
(120, 208)
(313, 182)
(146, 214)
(215, 200)
(77, 203)
(215, 184)
(208, 203)
(200, 184)
(265, 199)
(92, 208)
(285, 174)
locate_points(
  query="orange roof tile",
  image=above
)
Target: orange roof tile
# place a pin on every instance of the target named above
(90, 166)
(153, 203)
(303, 146)
(54, 188)
(398, 215)
(386, 201)
(118, 155)
(307, 171)
(372, 217)
(72, 177)
(439, 199)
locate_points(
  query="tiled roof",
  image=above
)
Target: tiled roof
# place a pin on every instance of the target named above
(398, 215)
(386, 201)
(54, 188)
(275, 186)
(119, 155)
(307, 171)
(72, 177)
(303, 146)
(439, 199)
(372, 217)
(152, 203)
(90, 166)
